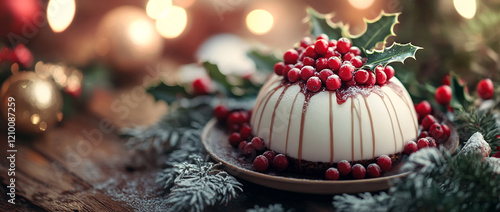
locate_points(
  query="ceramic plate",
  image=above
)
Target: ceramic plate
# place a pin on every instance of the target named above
(215, 139)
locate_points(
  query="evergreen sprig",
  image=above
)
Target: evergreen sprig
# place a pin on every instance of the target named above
(442, 183)
(270, 208)
(474, 120)
(198, 184)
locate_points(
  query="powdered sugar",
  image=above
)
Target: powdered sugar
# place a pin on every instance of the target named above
(352, 91)
(476, 143)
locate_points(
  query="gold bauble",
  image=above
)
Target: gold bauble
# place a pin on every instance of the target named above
(127, 39)
(38, 102)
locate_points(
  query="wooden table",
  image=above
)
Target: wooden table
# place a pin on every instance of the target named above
(66, 171)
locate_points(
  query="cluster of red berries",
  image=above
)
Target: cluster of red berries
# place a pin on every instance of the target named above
(329, 63)
(432, 133)
(358, 171)
(237, 122)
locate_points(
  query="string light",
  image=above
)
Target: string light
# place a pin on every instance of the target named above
(466, 8)
(173, 23)
(60, 14)
(361, 4)
(155, 8)
(259, 21)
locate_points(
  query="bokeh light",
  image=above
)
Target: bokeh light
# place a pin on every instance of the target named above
(173, 23)
(60, 14)
(155, 8)
(140, 31)
(361, 4)
(466, 8)
(259, 21)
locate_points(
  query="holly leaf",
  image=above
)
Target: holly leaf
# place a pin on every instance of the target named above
(216, 75)
(394, 53)
(168, 93)
(263, 62)
(460, 98)
(321, 24)
(377, 31)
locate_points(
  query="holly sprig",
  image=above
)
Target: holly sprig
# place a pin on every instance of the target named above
(377, 31)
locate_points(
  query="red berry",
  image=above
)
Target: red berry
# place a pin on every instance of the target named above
(343, 45)
(269, 154)
(443, 94)
(291, 56)
(389, 71)
(357, 62)
(249, 151)
(384, 162)
(446, 80)
(221, 112)
(381, 77)
(321, 46)
(307, 61)
(329, 53)
(350, 83)
(287, 69)
(436, 131)
(432, 142)
(280, 162)
(321, 63)
(235, 139)
(310, 52)
(242, 145)
(234, 127)
(345, 72)
(305, 42)
(361, 76)
(373, 170)
(278, 68)
(410, 147)
(423, 108)
(307, 72)
(427, 121)
(245, 131)
(258, 143)
(333, 82)
(423, 134)
(294, 75)
(446, 132)
(332, 174)
(299, 65)
(355, 50)
(348, 56)
(324, 74)
(371, 80)
(322, 36)
(344, 167)
(332, 43)
(201, 86)
(260, 163)
(358, 171)
(422, 143)
(485, 89)
(313, 84)
(334, 63)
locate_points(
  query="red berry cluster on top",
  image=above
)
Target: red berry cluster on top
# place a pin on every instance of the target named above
(432, 133)
(329, 63)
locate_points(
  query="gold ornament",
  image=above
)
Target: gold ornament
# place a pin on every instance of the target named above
(127, 39)
(38, 102)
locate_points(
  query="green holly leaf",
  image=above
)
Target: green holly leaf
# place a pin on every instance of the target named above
(168, 93)
(394, 53)
(377, 31)
(321, 24)
(460, 99)
(263, 62)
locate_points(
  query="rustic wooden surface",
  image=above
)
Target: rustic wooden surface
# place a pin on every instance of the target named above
(65, 170)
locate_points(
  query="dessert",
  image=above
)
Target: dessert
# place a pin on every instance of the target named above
(322, 106)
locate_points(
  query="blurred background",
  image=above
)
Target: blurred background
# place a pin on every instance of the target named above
(98, 54)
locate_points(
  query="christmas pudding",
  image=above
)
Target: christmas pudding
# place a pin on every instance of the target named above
(322, 105)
